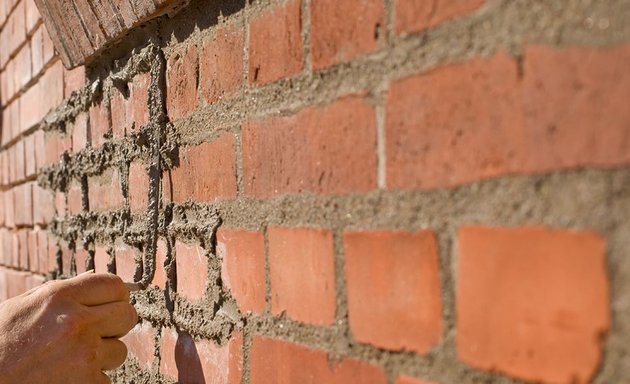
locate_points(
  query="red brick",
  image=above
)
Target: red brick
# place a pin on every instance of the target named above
(80, 135)
(23, 74)
(19, 161)
(60, 204)
(16, 283)
(80, 259)
(6, 240)
(438, 136)
(337, 38)
(181, 83)
(196, 179)
(9, 208)
(140, 342)
(37, 50)
(75, 199)
(43, 259)
(302, 268)
(121, 110)
(243, 267)
(56, 145)
(101, 259)
(202, 361)
(138, 187)
(418, 15)
(40, 149)
(32, 15)
(591, 84)
(275, 43)
(100, 127)
(33, 281)
(23, 199)
(45, 95)
(30, 165)
(22, 236)
(15, 250)
(126, 262)
(281, 362)
(159, 279)
(73, 80)
(105, 192)
(326, 150)
(221, 63)
(192, 270)
(532, 302)
(66, 258)
(33, 251)
(2, 209)
(139, 90)
(48, 49)
(53, 248)
(43, 205)
(393, 286)
(16, 27)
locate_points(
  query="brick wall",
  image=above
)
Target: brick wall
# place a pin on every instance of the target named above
(335, 191)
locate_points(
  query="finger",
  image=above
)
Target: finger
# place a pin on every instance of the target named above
(114, 319)
(95, 289)
(102, 378)
(113, 354)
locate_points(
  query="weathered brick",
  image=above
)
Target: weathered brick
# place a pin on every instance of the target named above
(43, 259)
(121, 110)
(45, 95)
(30, 166)
(33, 251)
(326, 150)
(55, 145)
(275, 43)
(138, 187)
(192, 270)
(181, 83)
(105, 191)
(393, 286)
(32, 15)
(243, 267)
(305, 366)
(221, 63)
(195, 179)
(302, 269)
(337, 38)
(202, 361)
(159, 279)
(140, 342)
(81, 259)
(517, 307)
(438, 136)
(418, 15)
(22, 263)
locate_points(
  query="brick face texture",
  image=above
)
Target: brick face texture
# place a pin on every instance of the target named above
(350, 191)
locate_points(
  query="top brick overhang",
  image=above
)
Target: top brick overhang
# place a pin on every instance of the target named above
(81, 29)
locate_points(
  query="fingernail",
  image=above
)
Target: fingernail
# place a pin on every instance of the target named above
(86, 272)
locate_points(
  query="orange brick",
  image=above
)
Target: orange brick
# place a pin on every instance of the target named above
(243, 267)
(438, 136)
(302, 268)
(337, 38)
(275, 43)
(159, 278)
(191, 361)
(195, 179)
(325, 150)
(221, 66)
(532, 302)
(305, 366)
(192, 270)
(393, 286)
(418, 15)
(181, 83)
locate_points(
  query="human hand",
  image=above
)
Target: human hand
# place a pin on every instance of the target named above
(65, 331)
